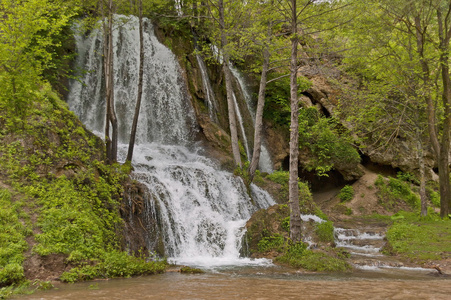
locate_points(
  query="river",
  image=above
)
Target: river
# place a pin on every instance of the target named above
(261, 283)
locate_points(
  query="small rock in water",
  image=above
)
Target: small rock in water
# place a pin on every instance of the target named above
(189, 270)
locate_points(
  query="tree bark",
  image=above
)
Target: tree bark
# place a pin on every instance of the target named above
(443, 160)
(111, 144)
(423, 198)
(259, 115)
(440, 147)
(131, 144)
(111, 110)
(229, 88)
(295, 217)
(106, 71)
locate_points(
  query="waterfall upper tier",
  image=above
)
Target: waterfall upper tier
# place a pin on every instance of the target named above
(166, 112)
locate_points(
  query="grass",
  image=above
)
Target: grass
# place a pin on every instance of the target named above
(420, 239)
(298, 256)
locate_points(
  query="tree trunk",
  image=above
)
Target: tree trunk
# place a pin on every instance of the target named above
(131, 145)
(106, 70)
(229, 89)
(111, 109)
(441, 148)
(443, 160)
(424, 207)
(259, 115)
(295, 217)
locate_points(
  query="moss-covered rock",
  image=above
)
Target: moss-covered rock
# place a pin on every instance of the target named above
(268, 236)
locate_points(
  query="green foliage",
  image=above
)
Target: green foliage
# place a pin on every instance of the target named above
(114, 264)
(277, 101)
(273, 242)
(282, 178)
(189, 270)
(325, 231)
(407, 177)
(285, 224)
(75, 219)
(322, 262)
(346, 193)
(395, 190)
(76, 197)
(28, 35)
(12, 241)
(293, 254)
(326, 140)
(432, 193)
(299, 256)
(418, 238)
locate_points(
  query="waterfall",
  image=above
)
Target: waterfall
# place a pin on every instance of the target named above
(210, 96)
(241, 124)
(202, 210)
(265, 163)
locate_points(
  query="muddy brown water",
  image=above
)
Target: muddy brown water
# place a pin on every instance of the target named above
(260, 283)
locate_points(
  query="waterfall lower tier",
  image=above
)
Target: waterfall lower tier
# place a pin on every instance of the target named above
(201, 211)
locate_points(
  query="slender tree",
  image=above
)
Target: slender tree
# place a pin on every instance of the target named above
(111, 119)
(295, 217)
(140, 84)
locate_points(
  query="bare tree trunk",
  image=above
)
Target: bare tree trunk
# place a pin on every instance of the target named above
(106, 70)
(424, 206)
(131, 144)
(229, 89)
(295, 217)
(259, 116)
(111, 111)
(441, 148)
(443, 161)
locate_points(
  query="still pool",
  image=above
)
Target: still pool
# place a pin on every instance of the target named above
(261, 283)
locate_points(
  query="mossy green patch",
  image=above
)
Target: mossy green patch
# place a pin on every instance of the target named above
(190, 270)
(392, 191)
(419, 238)
(56, 167)
(299, 256)
(12, 241)
(114, 264)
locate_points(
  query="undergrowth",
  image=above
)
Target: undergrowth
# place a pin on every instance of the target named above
(57, 168)
(395, 190)
(419, 238)
(298, 256)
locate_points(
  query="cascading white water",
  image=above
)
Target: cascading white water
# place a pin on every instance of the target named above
(202, 210)
(265, 163)
(210, 96)
(241, 124)
(166, 113)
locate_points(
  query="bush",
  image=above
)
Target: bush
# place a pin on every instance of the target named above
(273, 242)
(325, 231)
(114, 264)
(298, 256)
(394, 190)
(346, 193)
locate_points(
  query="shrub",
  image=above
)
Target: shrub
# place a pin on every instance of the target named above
(346, 193)
(325, 231)
(273, 242)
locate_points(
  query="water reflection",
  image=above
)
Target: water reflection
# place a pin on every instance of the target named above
(262, 283)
